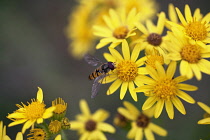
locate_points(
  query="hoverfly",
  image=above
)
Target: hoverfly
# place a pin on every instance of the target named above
(99, 73)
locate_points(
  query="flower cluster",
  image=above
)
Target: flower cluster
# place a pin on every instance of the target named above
(142, 61)
(146, 56)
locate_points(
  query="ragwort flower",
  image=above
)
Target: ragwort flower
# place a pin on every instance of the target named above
(34, 112)
(192, 57)
(140, 123)
(117, 29)
(195, 27)
(127, 71)
(152, 37)
(206, 108)
(3, 135)
(91, 126)
(162, 88)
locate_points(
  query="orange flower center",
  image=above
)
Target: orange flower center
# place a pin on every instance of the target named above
(121, 32)
(127, 70)
(196, 30)
(191, 53)
(165, 89)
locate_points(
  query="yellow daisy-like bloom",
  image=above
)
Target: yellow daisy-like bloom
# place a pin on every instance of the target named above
(79, 31)
(146, 8)
(162, 88)
(60, 110)
(141, 123)
(152, 35)
(38, 134)
(91, 126)
(34, 112)
(195, 27)
(3, 135)
(117, 29)
(192, 56)
(127, 71)
(206, 108)
(54, 126)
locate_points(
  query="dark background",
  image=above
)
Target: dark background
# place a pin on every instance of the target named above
(33, 52)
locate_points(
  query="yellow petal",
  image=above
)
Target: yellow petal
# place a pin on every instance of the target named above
(169, 109)
(171, 70)
(126, 113)
(187, 87)
(131, 90)
(75, 125)
(101, 136)
(135, 53)
(196, 71)
(109, 57)
(16, 115)
(105, 127)
(204, 121)
(148, 134)
(39, 95)
(85, 136)
(139, 134)
(17, 122)
(109, 78)
(160, 69)
(178, 104)
(101, 44)
(204, 107)
(115, 85)
(28, 124)
(39, 120)
(132, 109)
(5, 137)
(180, 79)
(142, 28)
(185, 69)
(84, 108)
(144, 88)
(123, 90)
(161, 22)
(159, 108)
(152, 72)
(100, 115)
(181, 17)
(58, 137)
(172, 13)
(125, 50)
(48, 112)
(19, 136)
(157, 129)
(185, 97)
(131, 134)
(115, 54)
(145, 79)
(188, 14)
(149, 103)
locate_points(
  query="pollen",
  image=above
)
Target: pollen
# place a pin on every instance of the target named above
(151, 59)
(121, 32)
(90, 125)
(196, 30)
(191, 53)
(54, 126)
(165, 89)
(127, 70)
(37, 134)
(154, 39)
(142, 121)
(60, 106)
(34, 110)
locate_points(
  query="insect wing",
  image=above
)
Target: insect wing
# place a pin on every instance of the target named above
(96, 85)
(92, 60)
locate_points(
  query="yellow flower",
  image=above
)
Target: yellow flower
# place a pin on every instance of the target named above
(163, 88)
(91, 126)
(152, 35)
(79, 31)
(206, 108)
(141, 123)
(127, 71)
(146, 8)
(195, 27)
(192, 56)
(32, 113)
(118, 27)
(38, 134)
(60, 110)
(3, 135)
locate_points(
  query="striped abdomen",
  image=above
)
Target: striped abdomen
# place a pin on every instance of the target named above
(97, 72)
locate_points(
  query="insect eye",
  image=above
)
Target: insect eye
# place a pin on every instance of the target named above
(111, 65)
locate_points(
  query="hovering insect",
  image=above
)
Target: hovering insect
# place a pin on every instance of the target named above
(99, 73)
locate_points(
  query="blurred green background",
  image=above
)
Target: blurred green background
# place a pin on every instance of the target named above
(33, 52)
